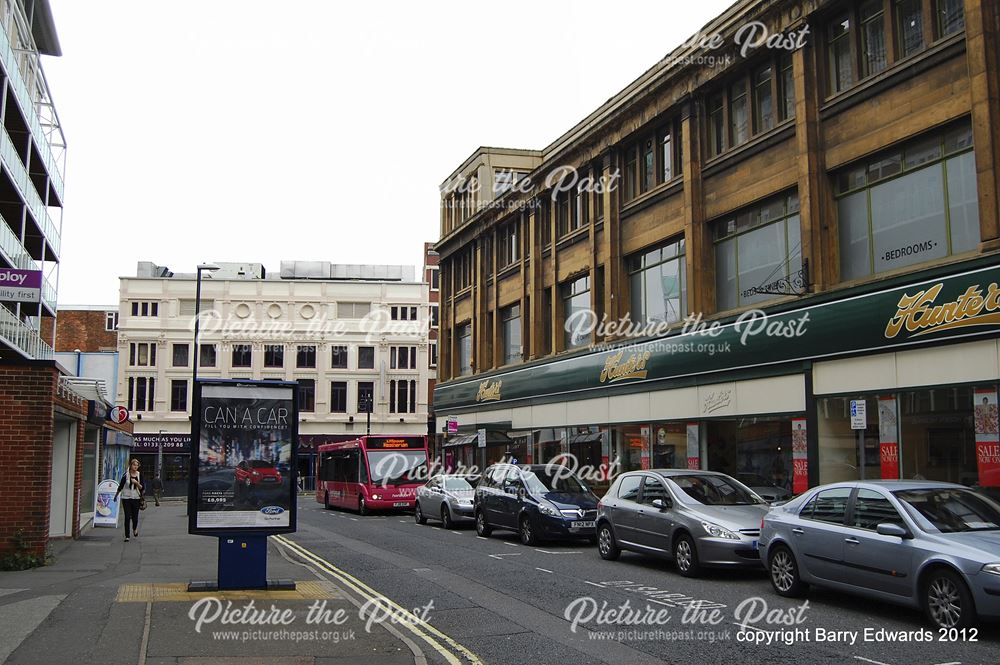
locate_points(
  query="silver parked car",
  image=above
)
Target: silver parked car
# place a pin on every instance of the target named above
(697, 518)
(448, 498)
(921, 544)
(764, 488)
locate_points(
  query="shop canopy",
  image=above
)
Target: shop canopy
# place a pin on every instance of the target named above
(493, 438)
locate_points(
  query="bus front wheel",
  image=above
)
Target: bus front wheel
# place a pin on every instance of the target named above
(363, 507)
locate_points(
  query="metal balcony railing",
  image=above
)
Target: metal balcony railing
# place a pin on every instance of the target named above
(20, 176)
(32, 103)
(23, 338)
(13, 249)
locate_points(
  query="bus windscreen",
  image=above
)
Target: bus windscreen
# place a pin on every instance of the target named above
(397, 467)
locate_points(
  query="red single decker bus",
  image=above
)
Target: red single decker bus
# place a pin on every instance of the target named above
(371, 472)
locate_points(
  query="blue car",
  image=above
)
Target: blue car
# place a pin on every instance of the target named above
(539, 502)
(927, 545)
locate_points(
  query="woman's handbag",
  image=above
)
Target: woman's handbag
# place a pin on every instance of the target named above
(142, 503)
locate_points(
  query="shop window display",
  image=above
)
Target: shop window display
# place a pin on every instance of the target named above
(752, 445)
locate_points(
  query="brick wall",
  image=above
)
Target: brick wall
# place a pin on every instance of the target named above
(84, 330)
(27, 394)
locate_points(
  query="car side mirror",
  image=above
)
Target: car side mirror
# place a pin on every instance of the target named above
(662, 504)
(887, 529)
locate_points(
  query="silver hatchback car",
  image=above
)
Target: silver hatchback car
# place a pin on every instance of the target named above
(697, 518)
(446, 497)
(921, 544)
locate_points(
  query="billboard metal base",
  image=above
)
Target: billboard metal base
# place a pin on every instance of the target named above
(242, 566)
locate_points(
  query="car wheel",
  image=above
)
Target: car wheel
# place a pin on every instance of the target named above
(418, 514)
(947, 600)
(606, 545)
(363, 507)
(785, 573)
(482, 526)
(446, 521)
(527, 531)
(686, 556)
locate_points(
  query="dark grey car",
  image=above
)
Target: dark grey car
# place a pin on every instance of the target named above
(697, 518)
(446, 497)
(921, 544)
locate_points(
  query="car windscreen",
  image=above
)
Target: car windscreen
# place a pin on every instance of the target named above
(397, 467)
(457, 485)
(952, 510)
(541, 482)
(714, 491)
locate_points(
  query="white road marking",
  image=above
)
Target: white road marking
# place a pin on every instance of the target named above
(403, 521)
(599, 586)
(543, 570)
(869, 660)
(550, 552)
(354, 519)
(457, 533)
(482, 537)
(498, 556)
(511, 544)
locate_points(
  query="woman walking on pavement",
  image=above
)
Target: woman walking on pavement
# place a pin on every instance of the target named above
(130, 489)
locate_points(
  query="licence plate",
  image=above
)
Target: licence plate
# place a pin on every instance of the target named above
(583, 525)
(401, 504)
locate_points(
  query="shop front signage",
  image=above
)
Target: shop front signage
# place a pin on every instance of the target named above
(118, 414)
(23, 286)
(172, 443)
(489, 391)
(964, 305)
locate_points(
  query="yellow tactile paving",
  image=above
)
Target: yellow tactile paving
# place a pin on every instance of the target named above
(161, 593)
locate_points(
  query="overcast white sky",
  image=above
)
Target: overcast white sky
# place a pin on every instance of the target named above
(315, 130)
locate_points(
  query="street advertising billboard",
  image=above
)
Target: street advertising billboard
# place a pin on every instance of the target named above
(106, 508)
(244, 447)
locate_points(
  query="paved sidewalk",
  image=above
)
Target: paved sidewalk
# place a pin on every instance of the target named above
(107, 601)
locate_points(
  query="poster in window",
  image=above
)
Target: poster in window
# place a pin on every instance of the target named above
(243, 462)
(987, 436)
(693, 447)
(888, 438)
(800, 456)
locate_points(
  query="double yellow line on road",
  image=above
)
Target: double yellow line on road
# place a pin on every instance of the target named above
(420, 628)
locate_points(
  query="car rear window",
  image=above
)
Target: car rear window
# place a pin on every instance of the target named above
(953, 510)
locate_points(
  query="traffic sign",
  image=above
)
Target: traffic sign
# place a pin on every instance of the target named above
(859, 414)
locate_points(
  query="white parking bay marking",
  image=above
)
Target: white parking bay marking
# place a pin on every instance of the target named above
(511, 544)
(457, 533)
(869, 660)
(550, 552)
(544, 570)
(599, 586)
(499, 556)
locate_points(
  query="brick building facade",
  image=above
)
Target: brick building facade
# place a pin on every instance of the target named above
(86, 328)
(823, 182)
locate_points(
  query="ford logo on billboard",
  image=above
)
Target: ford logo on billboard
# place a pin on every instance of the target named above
(272, 510)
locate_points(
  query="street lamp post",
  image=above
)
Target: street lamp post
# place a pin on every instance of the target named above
(197, 351)
(197, 315)
(159, 454)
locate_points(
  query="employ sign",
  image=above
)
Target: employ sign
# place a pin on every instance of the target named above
(20, 285)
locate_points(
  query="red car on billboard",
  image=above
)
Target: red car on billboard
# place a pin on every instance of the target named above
(257, 472)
